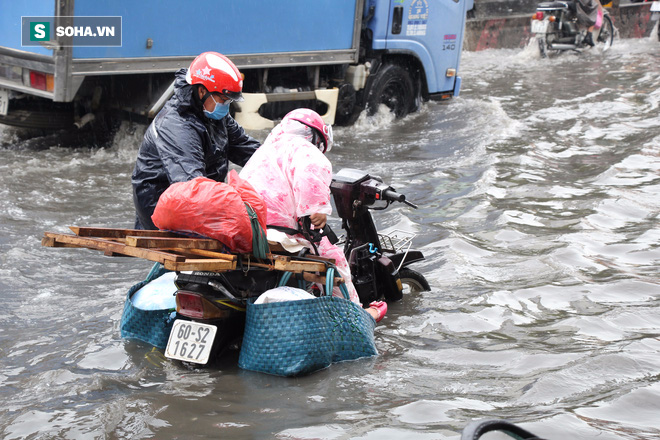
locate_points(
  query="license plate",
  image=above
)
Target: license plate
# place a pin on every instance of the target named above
(190, 341)
(540, 26)
(4, 101)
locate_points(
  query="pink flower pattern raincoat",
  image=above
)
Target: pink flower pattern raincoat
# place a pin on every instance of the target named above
(293, 177)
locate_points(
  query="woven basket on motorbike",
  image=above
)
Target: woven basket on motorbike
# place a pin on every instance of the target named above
(294, 338)
(150, 326)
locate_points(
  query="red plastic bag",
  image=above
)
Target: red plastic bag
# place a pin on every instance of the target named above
(212, 209)
(249, 196)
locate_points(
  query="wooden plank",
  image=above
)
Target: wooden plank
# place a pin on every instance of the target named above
(290, 257)
(162, 249)
(206, 264)
(319, 258)
(112, 247)
(114, 254)
(118, 233)
(51, 242)
(276, 247)
(167, 242)
(289, 265)
(202, 253)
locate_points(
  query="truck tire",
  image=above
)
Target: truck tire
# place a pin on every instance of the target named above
(348, 109)
(393, 86)
(44, 116)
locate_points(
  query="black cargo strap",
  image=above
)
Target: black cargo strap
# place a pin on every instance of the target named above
(314, 236)
(284, 229)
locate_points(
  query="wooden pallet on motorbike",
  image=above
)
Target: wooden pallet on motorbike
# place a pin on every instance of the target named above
(154, 246)
(175, 251)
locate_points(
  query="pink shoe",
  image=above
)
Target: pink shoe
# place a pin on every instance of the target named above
(381, 308)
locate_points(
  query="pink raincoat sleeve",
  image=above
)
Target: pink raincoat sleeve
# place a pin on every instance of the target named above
(311, 177)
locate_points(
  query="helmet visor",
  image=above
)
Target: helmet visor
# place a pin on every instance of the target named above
(234, 96)
(327, 131)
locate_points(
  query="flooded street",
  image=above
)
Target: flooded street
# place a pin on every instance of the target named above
(539, 219)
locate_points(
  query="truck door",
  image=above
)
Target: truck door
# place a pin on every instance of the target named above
(433, 30)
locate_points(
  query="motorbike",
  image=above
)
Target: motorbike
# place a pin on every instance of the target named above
(555, 27)
(210, 306)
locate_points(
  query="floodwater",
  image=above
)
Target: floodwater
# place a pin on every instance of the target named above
(538, 215)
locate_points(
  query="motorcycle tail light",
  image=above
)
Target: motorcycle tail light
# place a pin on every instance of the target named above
(193, 305)
(538, 15)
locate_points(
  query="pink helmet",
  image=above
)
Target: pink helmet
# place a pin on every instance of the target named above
(217, 73)
(312, 119)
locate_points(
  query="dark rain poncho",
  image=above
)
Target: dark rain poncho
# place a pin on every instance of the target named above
(181, 144)
(587, 11)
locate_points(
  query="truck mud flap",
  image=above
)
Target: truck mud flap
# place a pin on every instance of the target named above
(248, 114)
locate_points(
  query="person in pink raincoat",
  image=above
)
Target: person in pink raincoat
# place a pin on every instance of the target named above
(293, 175)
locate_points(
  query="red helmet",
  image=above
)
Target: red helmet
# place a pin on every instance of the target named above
(217, 73)
(312, 119)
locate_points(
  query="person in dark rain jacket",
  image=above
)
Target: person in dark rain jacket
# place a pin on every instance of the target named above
(193, 135)
(589, 14)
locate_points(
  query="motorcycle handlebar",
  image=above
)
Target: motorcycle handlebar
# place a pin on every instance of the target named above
(394, 196)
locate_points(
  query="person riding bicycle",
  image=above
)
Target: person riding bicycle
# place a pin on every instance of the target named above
(590, 14)
(292, 174)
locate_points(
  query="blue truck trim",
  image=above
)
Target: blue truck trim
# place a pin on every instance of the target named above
(457, 86)
(307, 27)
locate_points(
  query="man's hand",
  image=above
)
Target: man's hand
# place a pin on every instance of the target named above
(318, 220)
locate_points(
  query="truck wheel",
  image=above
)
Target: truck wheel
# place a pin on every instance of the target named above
(39, 115)
(347, 109)
(392, 86)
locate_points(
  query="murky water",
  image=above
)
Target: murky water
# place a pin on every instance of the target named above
(538, 193)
